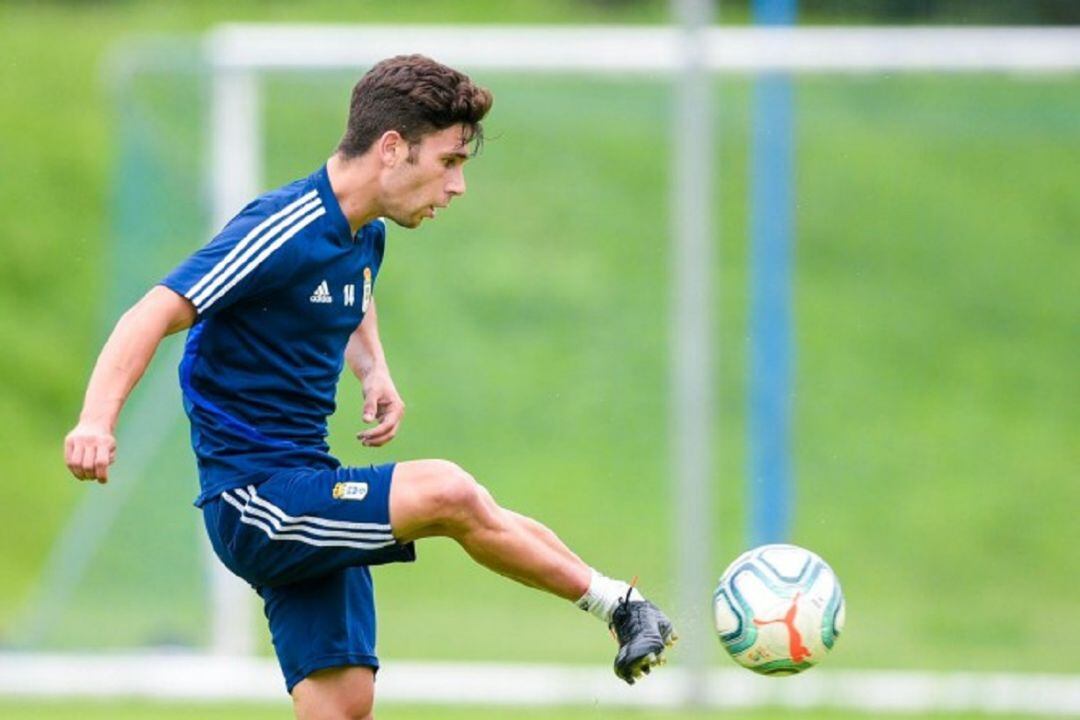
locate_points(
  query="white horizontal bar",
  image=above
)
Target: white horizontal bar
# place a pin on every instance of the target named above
(207, 678)
(656, 49)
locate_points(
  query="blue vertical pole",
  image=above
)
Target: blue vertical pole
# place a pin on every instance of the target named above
(772, 205)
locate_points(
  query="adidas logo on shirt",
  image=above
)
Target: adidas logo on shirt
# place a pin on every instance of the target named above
(322, 294)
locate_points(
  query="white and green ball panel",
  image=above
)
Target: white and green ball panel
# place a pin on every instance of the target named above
(761, 583)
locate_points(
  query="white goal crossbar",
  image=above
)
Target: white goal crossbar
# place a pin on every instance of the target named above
(605, 49)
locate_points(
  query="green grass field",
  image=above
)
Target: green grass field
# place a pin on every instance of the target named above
(139, 711)
(936, 400)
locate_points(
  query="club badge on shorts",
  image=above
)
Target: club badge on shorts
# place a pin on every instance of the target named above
(367, 290)
(350, 491)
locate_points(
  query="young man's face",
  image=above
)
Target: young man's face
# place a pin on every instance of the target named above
(425, 176)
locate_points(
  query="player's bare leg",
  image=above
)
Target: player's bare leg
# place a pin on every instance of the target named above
(344, 693)
(434, 498)
(430, 498)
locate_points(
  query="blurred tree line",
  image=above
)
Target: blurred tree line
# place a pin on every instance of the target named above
(996, 12)
(900, 12)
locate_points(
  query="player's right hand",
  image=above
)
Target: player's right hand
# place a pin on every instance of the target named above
(89, 451)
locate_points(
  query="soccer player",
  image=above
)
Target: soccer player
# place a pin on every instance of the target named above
(276, 304)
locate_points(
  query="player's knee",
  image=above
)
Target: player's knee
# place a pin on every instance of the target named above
(361, 709)
(460, 499)
(339, 706)
(357, 707)
(338, 693)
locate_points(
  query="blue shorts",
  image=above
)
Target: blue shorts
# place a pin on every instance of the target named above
(304, 540)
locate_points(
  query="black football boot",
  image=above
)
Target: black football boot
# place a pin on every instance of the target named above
(643, 632)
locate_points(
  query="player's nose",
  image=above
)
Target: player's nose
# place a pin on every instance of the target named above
(456, 184)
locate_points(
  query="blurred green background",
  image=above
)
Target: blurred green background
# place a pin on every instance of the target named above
(936, 401)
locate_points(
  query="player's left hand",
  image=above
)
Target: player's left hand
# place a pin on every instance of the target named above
(382, 403)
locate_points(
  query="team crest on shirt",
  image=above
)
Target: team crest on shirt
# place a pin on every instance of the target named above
(367, 290)
(350, 491)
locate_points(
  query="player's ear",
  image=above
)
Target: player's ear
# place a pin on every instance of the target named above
(392, 148)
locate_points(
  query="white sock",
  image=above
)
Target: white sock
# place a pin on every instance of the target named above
(604, 594)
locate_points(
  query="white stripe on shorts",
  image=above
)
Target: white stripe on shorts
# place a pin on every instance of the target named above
(275, 533)
(336, 524)
(300, 526)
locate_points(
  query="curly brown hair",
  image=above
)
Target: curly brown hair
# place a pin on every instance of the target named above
(413, 95)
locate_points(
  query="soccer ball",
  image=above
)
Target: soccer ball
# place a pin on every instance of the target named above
(778, 609)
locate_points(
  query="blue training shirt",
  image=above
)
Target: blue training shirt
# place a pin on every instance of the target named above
(278, 293)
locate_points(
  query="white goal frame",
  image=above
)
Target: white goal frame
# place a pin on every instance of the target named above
(238, 55)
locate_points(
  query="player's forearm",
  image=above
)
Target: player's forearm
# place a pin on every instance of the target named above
(125, 357)
(121, 363)
(364, 352)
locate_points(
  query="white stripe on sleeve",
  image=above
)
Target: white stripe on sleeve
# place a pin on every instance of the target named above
(239, 247)
(303, 223)
(228, 275)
